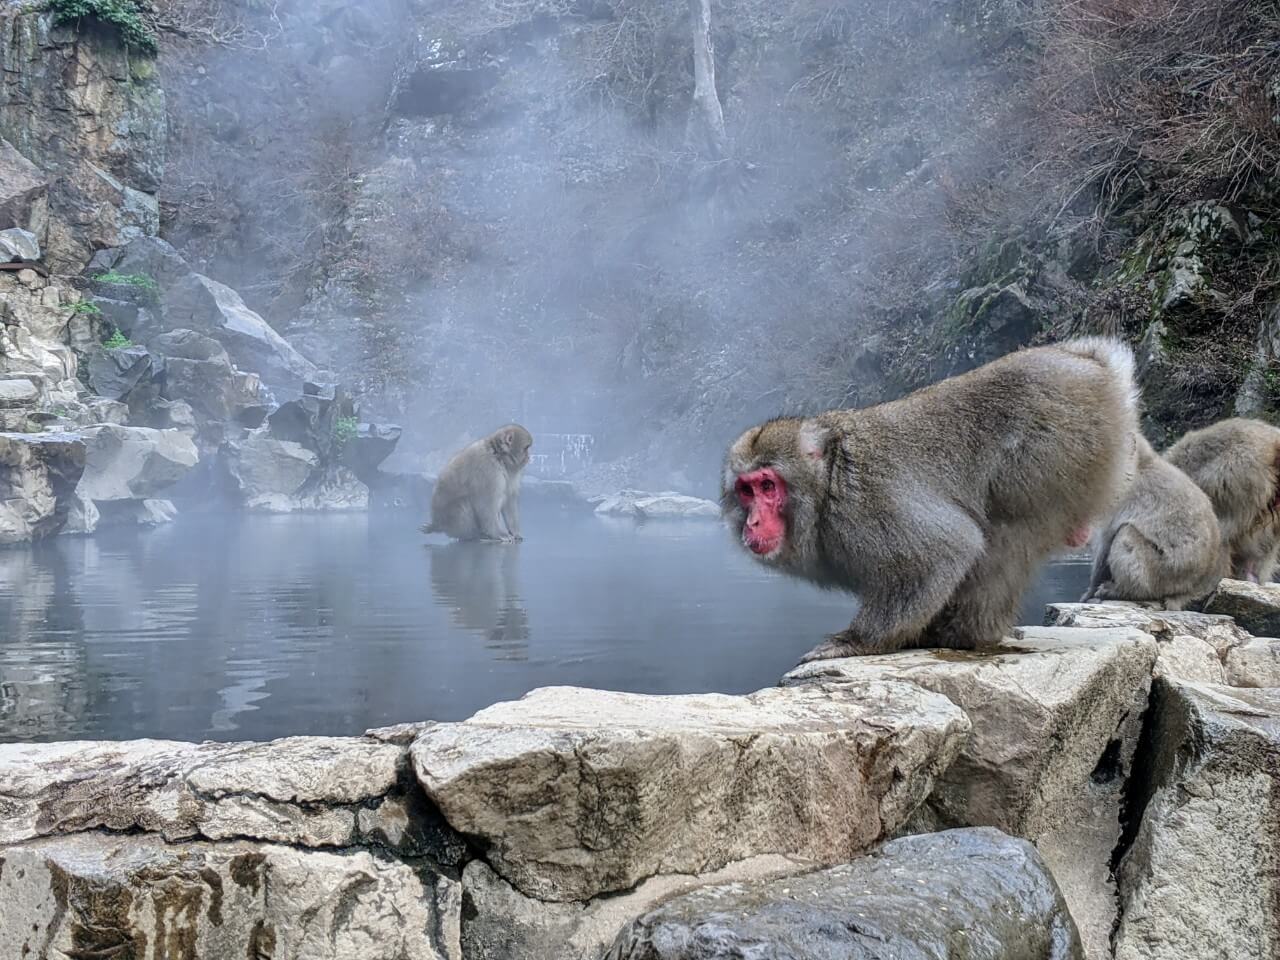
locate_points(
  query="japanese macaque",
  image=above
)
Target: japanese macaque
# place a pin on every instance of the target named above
(1237, 463)
(1162, 544)
(936, 509)
(477, 496)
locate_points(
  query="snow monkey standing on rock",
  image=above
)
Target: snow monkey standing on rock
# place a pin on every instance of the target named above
(477, 496)
(1237, 463)
(937, 509)
(1162, 544)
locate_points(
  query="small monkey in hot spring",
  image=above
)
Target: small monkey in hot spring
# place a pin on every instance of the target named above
(936, 509)
(477, 496)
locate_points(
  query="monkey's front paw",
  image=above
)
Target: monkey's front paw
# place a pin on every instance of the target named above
(833, 649)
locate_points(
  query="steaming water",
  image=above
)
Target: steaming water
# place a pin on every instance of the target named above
(256, 627)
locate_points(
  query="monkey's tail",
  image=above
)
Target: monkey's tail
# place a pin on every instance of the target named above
(1112, 354)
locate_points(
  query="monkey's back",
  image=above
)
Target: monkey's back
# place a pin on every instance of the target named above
(1040, 430)
(1166, 506)
(471, 474)
(1235, 462)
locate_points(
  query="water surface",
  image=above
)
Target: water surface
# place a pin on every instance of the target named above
(253, 627)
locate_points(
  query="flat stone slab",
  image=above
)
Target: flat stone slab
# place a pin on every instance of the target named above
(308, 791)
(656, 506)
(18, 393)
(103, 897)
(573, 793)
(1200, 878)
(127, 463)
(1055, 717)
(1255, 607)
(976, 894)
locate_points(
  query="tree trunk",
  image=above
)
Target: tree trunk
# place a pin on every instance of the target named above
(706, 115)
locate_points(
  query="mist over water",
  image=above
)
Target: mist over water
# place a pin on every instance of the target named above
(233, 628)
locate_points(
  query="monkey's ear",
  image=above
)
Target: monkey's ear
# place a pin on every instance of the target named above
(814, 438)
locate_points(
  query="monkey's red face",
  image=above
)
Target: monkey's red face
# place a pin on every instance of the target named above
(763, 494)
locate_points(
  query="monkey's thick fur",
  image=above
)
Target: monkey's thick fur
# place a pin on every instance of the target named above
(937, 509)
(477, 496)
(1237, 463)
(1162, 544)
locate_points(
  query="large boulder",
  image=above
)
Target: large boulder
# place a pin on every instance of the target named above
(104, 896)
(38, 477)
(198, 303)
(134, 463)
(1200, 877)
(266, 471)
(573, 793)
(303, 791)
(116, 372)
(24, 193)
(1056, 715)
(976, 894)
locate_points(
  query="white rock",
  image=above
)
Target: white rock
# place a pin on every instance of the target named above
(574, 793)
(1055, 714)
(101, 896)
(1254, 664)
(650, 506)
(18, 393)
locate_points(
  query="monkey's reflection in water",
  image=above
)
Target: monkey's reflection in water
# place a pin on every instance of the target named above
(477, 583)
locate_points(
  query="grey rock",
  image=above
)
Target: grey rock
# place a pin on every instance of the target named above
(262, 468)
(1254, 664)
(17, 393)
(133, 463)
(97, 895)
(372, 444)
(17, 244)
(1197, 880)
(38, 477)
(24, 193)
(136, 513)
(1255, 607)
(574, 793)
(1056, 715)
(82, 516)
(189, 345)
(976, 894)
(115, 373)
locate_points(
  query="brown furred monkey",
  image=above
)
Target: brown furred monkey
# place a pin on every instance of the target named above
(1237, 463)
(477, 496)
(936, 509)
(1162, 544)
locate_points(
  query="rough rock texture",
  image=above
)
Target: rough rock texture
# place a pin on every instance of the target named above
(499, 923)
(1056, 715)
(1200, 877)
(1254, 664)
(976, 894)
(634, 503)
(92, 116)
(1255, 607)
(263, 468)
(573, 792)
(116, 373)
(24, 193)
(18, 245)
(94, 896)
(305, 791)
(128, 463)
(1191, 646)
(38, 477)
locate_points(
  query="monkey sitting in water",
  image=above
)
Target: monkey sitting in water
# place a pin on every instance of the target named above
(936, 509)
(1237, 463)
(1162, 544)
(477, 496)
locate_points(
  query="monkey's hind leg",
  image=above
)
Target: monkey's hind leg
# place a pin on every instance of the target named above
(984, 606)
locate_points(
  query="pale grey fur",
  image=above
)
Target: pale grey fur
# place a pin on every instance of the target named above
(477, 496)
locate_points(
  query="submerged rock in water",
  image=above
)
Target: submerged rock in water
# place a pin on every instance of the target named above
(38, 477)
(110, 896)
(576, 793)
(964, 893)
(650, 506)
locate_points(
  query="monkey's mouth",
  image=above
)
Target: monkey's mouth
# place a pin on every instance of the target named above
(763, 547)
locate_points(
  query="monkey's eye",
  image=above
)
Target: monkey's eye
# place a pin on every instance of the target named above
(766, 486)
(744, 490)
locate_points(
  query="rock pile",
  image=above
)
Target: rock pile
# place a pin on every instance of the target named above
(1097, 788)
